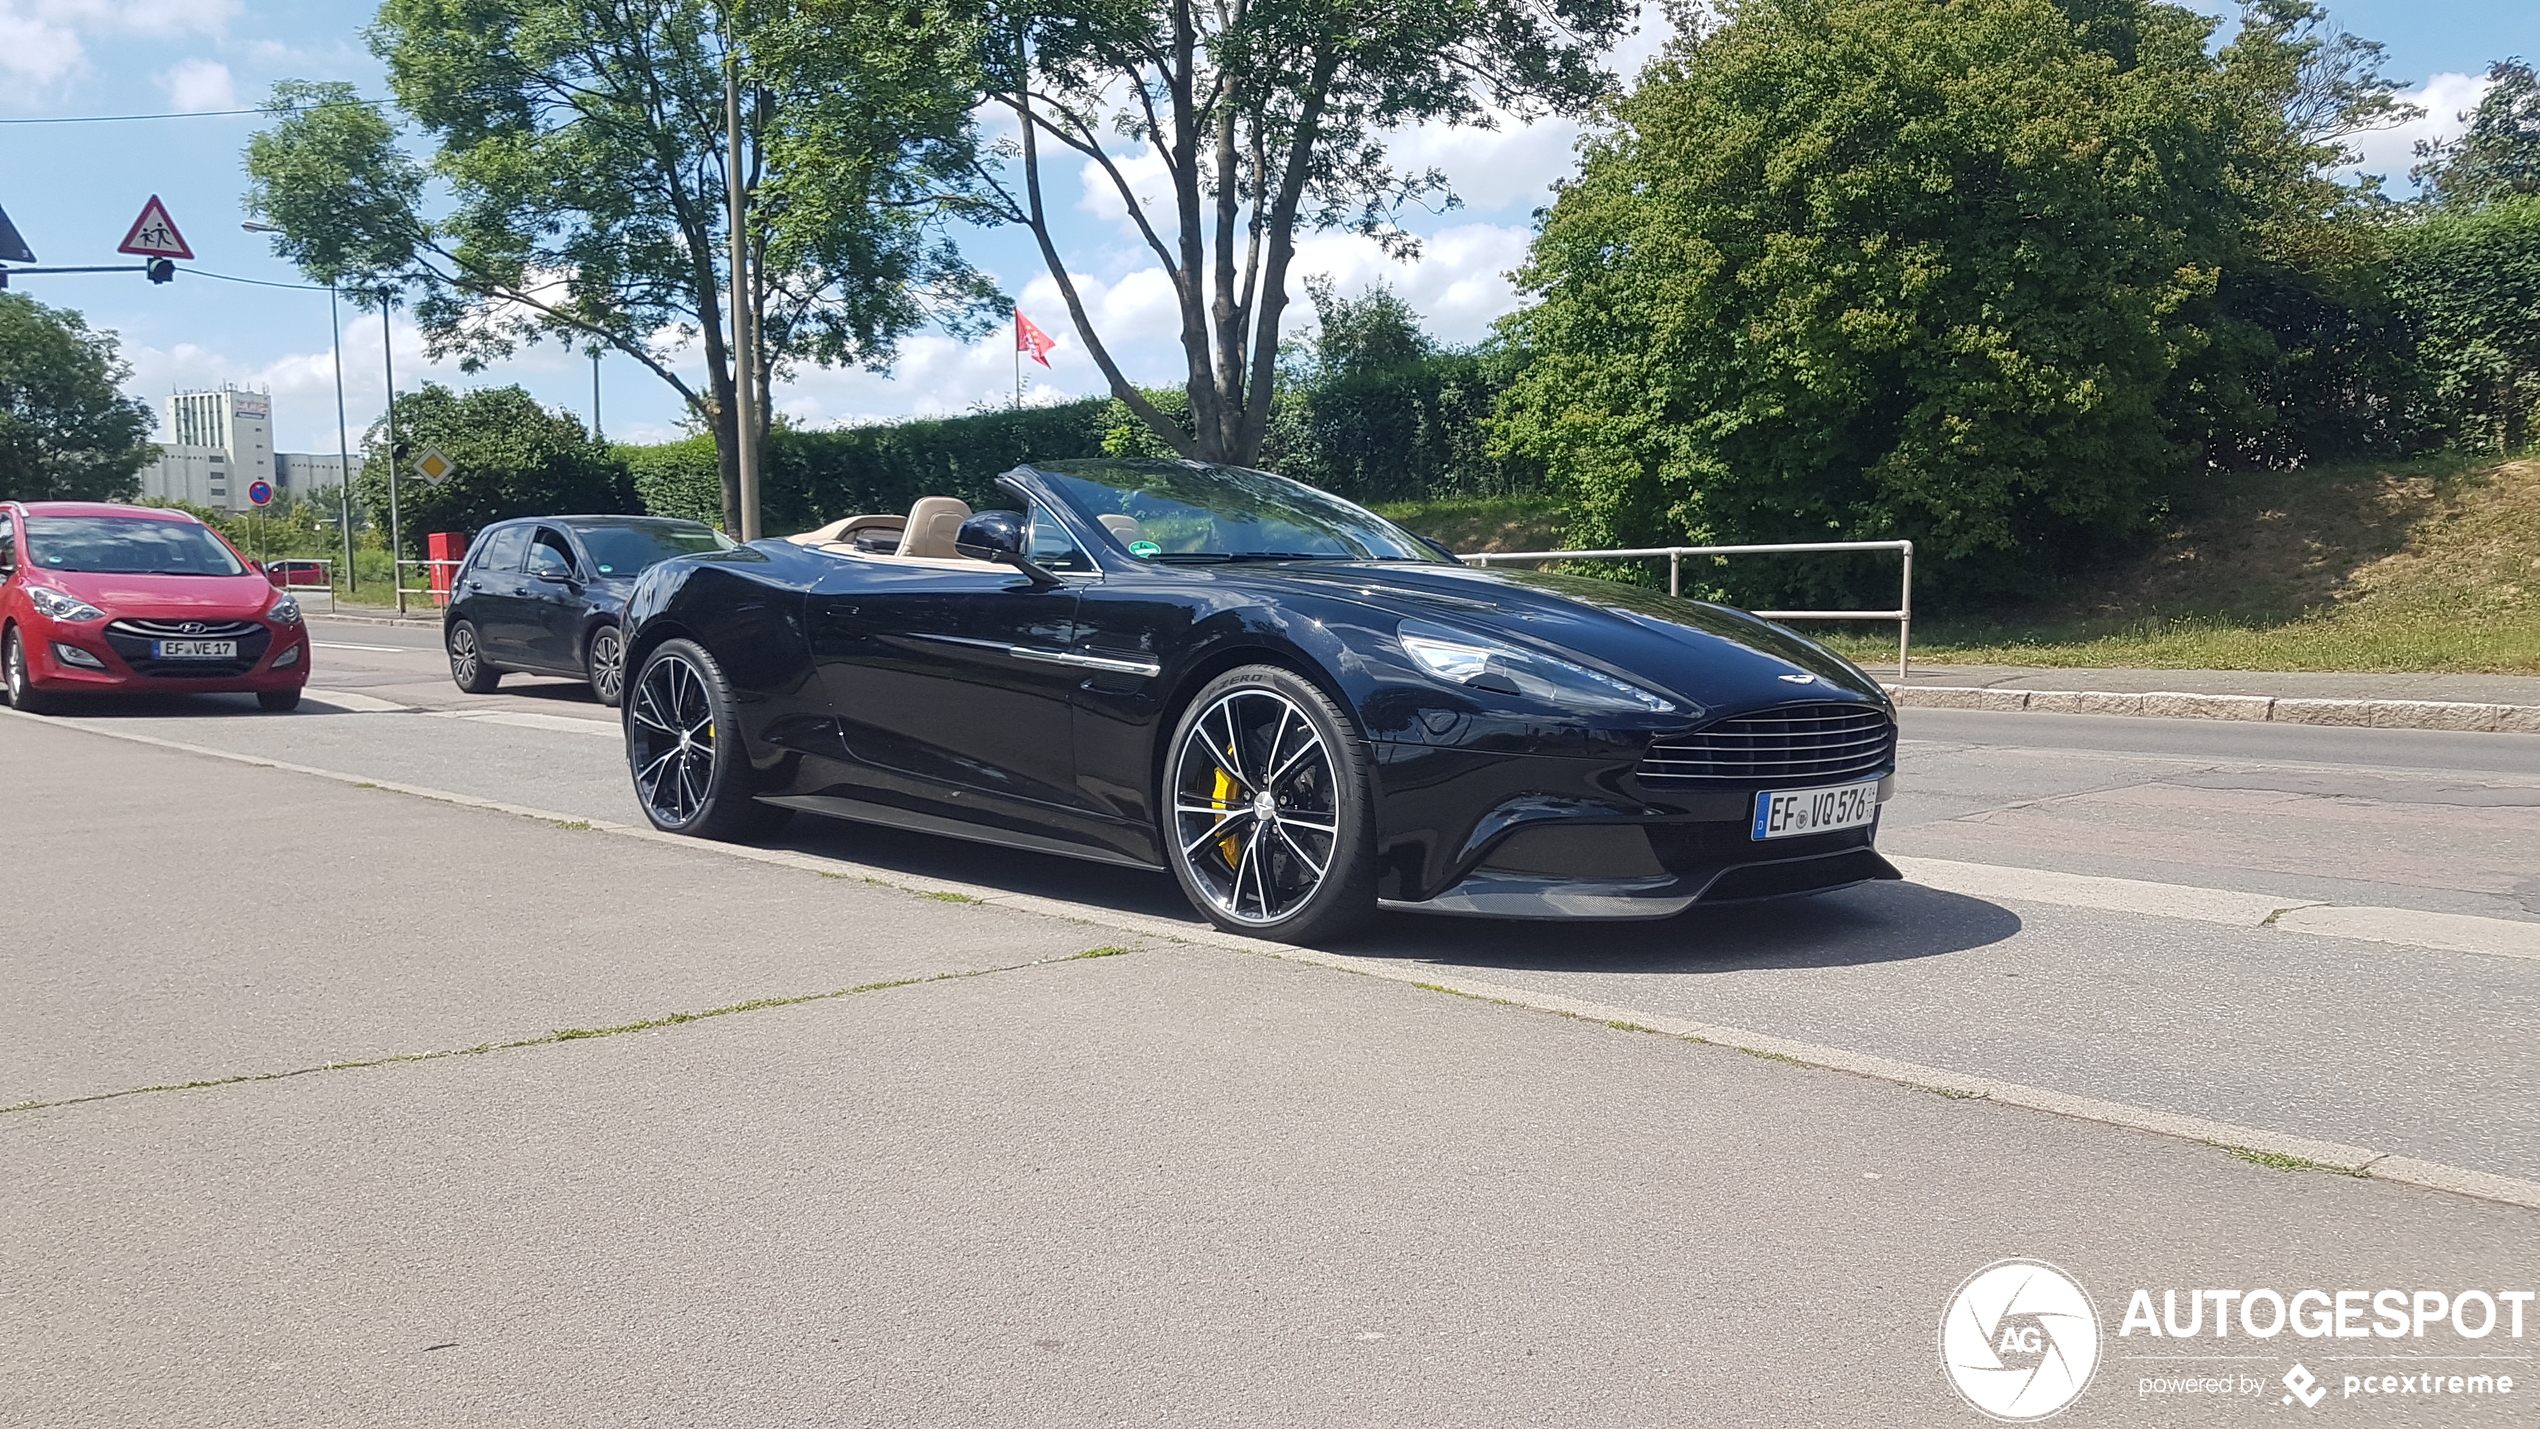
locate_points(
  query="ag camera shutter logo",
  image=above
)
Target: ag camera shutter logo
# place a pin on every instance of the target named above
(2019, 1340)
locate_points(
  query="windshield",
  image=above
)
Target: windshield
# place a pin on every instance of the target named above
(626, 550)
(1172, 510)
(127, 545)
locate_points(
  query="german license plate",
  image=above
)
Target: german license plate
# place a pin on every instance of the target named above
(193, 649)
(1783, 815)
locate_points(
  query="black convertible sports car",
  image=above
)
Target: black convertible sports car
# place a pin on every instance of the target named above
(1297, 707)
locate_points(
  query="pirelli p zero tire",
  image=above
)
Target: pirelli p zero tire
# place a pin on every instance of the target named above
(1268, 809)
(684, 749)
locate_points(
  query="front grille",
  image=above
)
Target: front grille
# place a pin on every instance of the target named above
(131, 640)
(183, 629)
(1797, 744)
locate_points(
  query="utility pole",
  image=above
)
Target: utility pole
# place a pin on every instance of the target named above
(595, 392)
(343, 443)
(396, 532)
(744, 333)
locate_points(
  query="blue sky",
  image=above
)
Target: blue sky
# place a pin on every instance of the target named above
(74, 188)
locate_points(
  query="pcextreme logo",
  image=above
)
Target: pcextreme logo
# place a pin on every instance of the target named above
(2019, 1340)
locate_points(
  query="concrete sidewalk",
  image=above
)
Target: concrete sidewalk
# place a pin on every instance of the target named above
(1178, 1185)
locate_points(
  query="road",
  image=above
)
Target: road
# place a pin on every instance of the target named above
(1182, 1184)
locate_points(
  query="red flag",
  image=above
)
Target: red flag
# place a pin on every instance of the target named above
(1029, 338)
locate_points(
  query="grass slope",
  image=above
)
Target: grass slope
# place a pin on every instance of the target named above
(2425, 565)
(2431, 565)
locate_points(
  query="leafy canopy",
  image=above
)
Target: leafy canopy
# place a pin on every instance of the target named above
(577, 160)
(2498, 156)
(1878, 268)
(67, 432)
(514, 458)
(1267, 116)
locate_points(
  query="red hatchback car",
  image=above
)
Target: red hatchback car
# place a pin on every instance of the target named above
(107, 599)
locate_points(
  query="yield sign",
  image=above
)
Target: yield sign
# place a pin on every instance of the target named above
(154, 234)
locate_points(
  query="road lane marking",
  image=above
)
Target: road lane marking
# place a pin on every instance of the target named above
(381, 649)
(2357, 1160)
(352, 703)
(2112, 895)
(522, 719)
(2451, 932)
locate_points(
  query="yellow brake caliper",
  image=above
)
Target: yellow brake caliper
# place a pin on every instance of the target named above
(1221, 797)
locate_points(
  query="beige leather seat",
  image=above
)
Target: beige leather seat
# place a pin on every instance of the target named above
(932, 524)
(1123, 526)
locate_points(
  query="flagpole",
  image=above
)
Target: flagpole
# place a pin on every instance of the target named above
(1018, 359)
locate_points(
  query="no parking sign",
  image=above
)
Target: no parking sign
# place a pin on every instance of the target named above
(260, 492)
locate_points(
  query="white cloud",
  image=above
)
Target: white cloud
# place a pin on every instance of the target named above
(2391, 152)
(199, 85)
(42, 41)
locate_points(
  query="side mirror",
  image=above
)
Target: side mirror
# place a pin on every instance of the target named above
(999, 536)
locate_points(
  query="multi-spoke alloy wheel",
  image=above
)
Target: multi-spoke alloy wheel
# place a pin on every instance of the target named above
(608, 665)
(670, 742)
(468, 669)
(1266, 809)
(682, 745)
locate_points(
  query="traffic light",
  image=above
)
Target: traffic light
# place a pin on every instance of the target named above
(161, 270)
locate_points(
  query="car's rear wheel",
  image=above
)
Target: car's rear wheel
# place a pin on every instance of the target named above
(20, 682)
(1267, 812)
(278, 701)
(683, 745)
(604, 663)
(468, 669)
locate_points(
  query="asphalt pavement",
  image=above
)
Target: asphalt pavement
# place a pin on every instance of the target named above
(466, 1154)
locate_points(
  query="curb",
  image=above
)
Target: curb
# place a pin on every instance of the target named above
(2267, 709)
(2357, 1161)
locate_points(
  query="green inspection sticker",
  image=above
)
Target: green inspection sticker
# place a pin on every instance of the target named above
(1145, 548)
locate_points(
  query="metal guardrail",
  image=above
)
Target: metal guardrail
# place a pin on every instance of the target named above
(300, 590)
(436, 597)
(1903, 614)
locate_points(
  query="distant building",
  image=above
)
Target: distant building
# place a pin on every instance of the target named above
(219, 442)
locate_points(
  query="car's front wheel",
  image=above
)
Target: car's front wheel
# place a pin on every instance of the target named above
(604, 663)
(684, 747)
(278, 701)
(468, 668)
(1266, 809)
(23, 695)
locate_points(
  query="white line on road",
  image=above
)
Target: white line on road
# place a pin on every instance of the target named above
(352, 703)
(2363, 1161)
(381, 649)
(521, 719)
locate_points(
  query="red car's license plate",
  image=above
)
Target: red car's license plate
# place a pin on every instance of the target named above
(193, 649)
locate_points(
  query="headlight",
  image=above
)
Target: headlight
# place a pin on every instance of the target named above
(283, 611)
(1480, 663)
(62, 607)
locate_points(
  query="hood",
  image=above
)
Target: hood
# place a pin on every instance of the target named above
(148, 597)
(1719, 658)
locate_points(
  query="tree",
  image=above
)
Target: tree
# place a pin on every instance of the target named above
(66, 432)
(2470, 281)
(1266, 115)
(1880, 268)
(2498, 156)
(583, 147)
(514, 458)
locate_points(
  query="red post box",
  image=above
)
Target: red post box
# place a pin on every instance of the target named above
(445, 549)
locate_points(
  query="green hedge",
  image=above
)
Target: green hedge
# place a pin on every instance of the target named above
(816, 477)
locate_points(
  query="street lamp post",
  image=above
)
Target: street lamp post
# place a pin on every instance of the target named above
(343, 443)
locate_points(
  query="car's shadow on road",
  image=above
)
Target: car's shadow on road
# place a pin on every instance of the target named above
(1870, 923)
